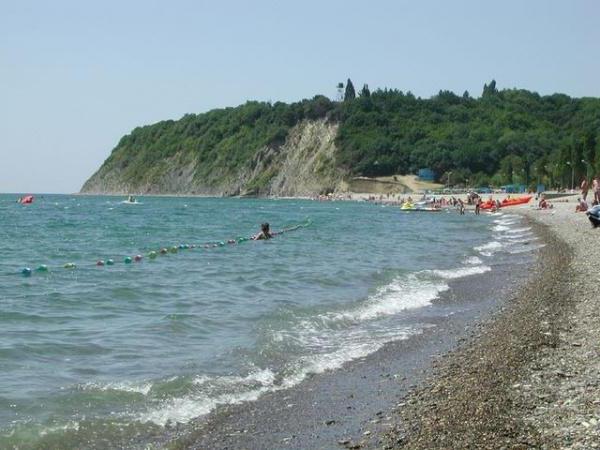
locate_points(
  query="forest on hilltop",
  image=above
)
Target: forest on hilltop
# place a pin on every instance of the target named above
(502, 137)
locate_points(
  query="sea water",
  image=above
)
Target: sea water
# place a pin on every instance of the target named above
(115, 355)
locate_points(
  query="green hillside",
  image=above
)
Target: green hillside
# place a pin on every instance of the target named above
(501, 137)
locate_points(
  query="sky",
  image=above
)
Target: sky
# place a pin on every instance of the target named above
(76, 76)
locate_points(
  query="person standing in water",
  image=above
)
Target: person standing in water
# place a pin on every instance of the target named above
(265, 233)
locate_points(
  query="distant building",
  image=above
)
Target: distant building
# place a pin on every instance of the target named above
(426, 174)
(514, 188)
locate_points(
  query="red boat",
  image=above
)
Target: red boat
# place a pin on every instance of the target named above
(26, 200)
(507, 202)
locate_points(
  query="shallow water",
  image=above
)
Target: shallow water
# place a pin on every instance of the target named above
(114, 354)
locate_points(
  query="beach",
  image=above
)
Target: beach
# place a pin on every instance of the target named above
(528, 379)
(277, 335)
(520, 373)
(488, 344)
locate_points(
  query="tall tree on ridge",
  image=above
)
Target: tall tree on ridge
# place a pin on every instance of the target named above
(489, 89)
(350, 93)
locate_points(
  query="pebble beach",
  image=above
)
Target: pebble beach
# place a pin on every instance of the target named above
(529, 377)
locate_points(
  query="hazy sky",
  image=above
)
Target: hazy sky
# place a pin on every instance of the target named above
(75, 75)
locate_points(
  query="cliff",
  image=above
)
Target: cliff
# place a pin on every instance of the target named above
(313, 146)
(302, 166)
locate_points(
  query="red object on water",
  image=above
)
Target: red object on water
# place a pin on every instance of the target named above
(137, 258)
(27, 199)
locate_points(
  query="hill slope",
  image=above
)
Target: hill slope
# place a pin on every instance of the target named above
(312, 146)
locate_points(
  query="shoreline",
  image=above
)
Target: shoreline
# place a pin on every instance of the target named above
(341, 408)
(530, 378)
(526, 376)
(475, 398)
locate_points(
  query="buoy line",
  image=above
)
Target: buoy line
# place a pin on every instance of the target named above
(162, 251)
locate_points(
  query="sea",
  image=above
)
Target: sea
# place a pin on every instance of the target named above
(115, 356)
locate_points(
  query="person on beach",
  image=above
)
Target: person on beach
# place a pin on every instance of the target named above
(544, 204)
(582, 205)
(477, 205)
(461, 207)
(584, 188)
(596, 189)
(265, 233)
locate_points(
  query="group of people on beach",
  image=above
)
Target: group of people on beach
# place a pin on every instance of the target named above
(582, 203)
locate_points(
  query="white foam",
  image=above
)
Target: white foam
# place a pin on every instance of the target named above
(401, 294)
(506, 222)
(517, 236)
(124, 386)
(251, 387)
(184, 409)
(327, 341)
(489, 249)
(473, 260)
(263, 377)
(334, 360)
(501, 228)
(519, 230)
(451, 274)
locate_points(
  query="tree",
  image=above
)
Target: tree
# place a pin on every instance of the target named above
(350, 93)
(489, 89)
(365, 92)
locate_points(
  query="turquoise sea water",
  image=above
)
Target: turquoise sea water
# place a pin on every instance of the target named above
(110, 356)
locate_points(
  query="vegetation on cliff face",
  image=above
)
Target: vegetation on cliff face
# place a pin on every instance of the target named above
(502, 137)
(218, 144)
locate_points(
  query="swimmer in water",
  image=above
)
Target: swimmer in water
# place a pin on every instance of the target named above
(265, 233)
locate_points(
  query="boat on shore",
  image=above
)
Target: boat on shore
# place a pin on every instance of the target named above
(489, 204)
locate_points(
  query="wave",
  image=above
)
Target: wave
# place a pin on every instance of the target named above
(451, 274)
(123, 386)
(506, 222)
(511, 238)
(251, 387)
(489, 249)
(324, 342)
(519, 230)
(402, 294)
(184, 409)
